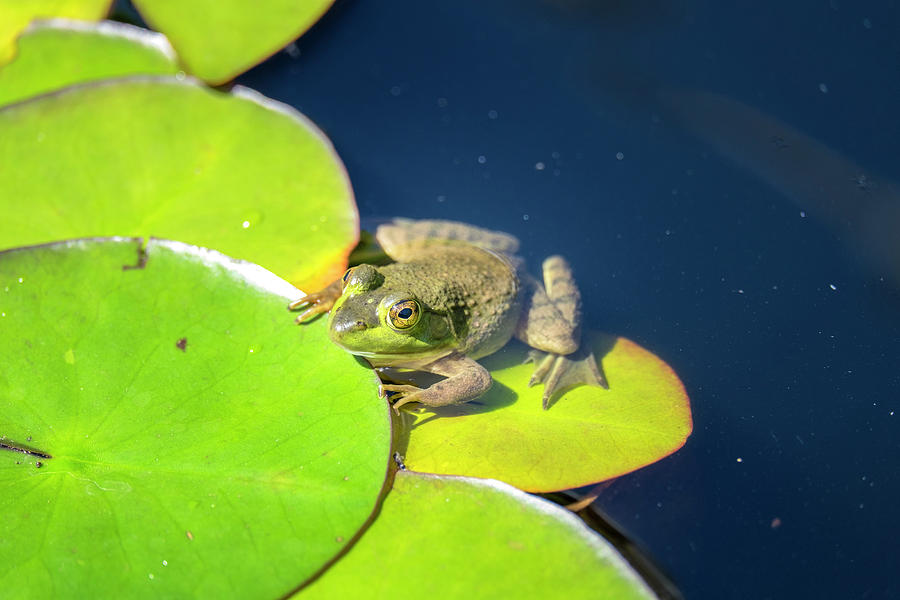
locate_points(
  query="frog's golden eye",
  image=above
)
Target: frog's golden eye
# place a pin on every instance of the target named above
(404, 314)
(345, 278)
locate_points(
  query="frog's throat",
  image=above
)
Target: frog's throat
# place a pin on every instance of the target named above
(412, 360)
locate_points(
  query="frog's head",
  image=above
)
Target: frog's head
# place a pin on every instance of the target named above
(384, 323)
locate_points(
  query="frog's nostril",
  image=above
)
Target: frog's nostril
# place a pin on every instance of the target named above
(348, 325)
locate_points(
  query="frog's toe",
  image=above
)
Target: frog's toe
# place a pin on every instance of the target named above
(397, 389)
(317, 302)
(313, 311)
(400, 394)
(543, 363)
(559, 373)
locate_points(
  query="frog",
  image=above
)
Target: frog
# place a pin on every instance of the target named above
(454, 293)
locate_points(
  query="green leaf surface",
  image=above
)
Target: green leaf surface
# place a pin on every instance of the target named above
(220, 39)
(173, 159)
(588, 435)
(453, 537)
(202, 446)
(15, 15)
(54, 54)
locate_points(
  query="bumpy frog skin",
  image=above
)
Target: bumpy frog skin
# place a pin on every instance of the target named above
(456, 293)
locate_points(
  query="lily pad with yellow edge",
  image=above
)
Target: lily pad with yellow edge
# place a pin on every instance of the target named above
(588, 435)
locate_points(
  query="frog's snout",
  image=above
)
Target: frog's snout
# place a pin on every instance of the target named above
(350, 321)
(349, 325)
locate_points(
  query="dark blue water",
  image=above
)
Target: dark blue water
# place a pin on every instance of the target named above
(636, 138)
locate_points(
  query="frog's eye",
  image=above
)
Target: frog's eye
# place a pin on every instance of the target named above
(345, 278)
(404, 314)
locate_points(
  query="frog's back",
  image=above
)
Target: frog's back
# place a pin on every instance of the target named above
(462, 270)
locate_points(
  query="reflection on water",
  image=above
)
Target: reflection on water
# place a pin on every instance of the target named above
(862, 208)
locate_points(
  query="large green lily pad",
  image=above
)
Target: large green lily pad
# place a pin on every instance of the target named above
(174, 159)
(452, 537)
(15, 15)
(588, 435)
(202, 445)
(54, 54)
(220, 39)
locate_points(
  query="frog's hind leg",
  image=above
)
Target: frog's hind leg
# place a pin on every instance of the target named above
(551, 314)
(402, 238)
(551, 321)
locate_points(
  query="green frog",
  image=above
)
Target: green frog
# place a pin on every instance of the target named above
(454, 294)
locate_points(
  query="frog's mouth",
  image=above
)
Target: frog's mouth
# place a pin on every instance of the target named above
(411, 359)
(408, 361)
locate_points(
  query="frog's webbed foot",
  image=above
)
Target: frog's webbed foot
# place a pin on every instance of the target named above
(560, 372)
(316, 303)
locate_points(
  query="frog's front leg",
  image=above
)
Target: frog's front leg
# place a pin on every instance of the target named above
(465, 380)
(317, 302)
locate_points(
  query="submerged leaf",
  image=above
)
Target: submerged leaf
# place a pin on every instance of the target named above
(192, 442)
(588, 435)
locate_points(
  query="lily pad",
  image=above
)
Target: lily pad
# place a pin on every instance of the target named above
(588, 435)
(156, 156)
(167, 432)
(220, 39)
(15, 15)
(455, 537)
(56, 53)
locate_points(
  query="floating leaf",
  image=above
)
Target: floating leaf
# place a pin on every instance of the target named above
(220, 39)
(15, 15)
(57, 53)
(588, 435)
(173, 159)
(201, 445)
(454, 537)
